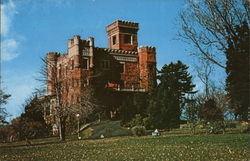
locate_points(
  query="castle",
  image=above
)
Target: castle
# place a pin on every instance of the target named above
(122, 67)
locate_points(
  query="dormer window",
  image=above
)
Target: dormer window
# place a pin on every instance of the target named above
(128, 39)
(114, 40)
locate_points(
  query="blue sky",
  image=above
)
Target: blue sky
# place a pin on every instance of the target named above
(31, 28)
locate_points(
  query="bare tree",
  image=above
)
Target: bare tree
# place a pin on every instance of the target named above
(86, 105)
(207, 25)
(204, 71)
(59, 107)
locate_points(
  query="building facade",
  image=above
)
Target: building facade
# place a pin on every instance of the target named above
(123, 67)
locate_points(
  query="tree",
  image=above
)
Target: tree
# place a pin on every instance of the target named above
(3, 100)
(133, 104)
(87, 108)
(237, 82)
(31, 123)
(208, 24)
(204, 71)
(210, 111)
(192, 108)
(60, 108)
(170, 95)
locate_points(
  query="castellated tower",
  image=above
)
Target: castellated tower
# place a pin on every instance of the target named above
(147, 65)
(51, 60)
(122, 35)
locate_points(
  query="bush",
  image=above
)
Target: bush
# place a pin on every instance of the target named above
(147, 123)
(215, 127)
(139, 130)
(136, 121)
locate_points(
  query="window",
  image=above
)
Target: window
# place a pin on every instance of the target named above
(86, 83)
(60, 71)
(127, 39)
(114, 40)
(72, 64)
(105, 64)
(47, 112)
(72, 100)
(122, 67)
(85, 63)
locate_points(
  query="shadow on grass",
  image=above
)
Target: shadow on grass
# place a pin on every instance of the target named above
(32, 144)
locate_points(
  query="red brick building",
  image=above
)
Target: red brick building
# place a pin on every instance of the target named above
(122, 67)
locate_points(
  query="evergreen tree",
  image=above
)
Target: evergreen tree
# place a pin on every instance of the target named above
(170, 96)
(237, 82)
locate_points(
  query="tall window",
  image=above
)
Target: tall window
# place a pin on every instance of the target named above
(85, 63)
(114, 39)
(122, 67)
(72, 99)
(127, 39)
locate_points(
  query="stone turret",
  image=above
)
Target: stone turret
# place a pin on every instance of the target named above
(147, 64)
(91, 51)
(51, 60)
(122, 35)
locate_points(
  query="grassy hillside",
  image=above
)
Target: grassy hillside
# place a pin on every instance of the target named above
(229, 147)
(107, 129)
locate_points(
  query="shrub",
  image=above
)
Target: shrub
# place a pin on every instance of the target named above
(139, 130)
(136, 121)
(147, 123)
(215, 127)
(87, 133)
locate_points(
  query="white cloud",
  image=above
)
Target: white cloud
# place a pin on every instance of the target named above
(9, 49)
(9, 41)
(8, 11)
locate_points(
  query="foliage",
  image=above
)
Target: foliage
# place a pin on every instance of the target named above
(215, 127)
(170, 147)
(31, 123)
(170, 96)
(132, 105)
(210, 111)
(237, 82)
(207, 25)
(3, 100)
(192, 108)
(139, 130)
(136, 121)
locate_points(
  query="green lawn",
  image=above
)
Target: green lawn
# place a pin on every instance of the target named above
(168, 147)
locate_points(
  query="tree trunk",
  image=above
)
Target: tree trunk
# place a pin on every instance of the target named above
(61, 129)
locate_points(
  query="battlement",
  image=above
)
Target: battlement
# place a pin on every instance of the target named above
(52, 55)
(120, 23)
(146, 49)
(116, 51)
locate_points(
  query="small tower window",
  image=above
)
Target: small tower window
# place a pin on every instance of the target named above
(128, 39)
(114, 40)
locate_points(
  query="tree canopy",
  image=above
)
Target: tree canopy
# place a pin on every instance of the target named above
(237, 82)
(170, 96)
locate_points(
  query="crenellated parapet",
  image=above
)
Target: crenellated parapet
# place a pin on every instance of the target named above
(121, 23)
(116, 51)
(146, 49)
